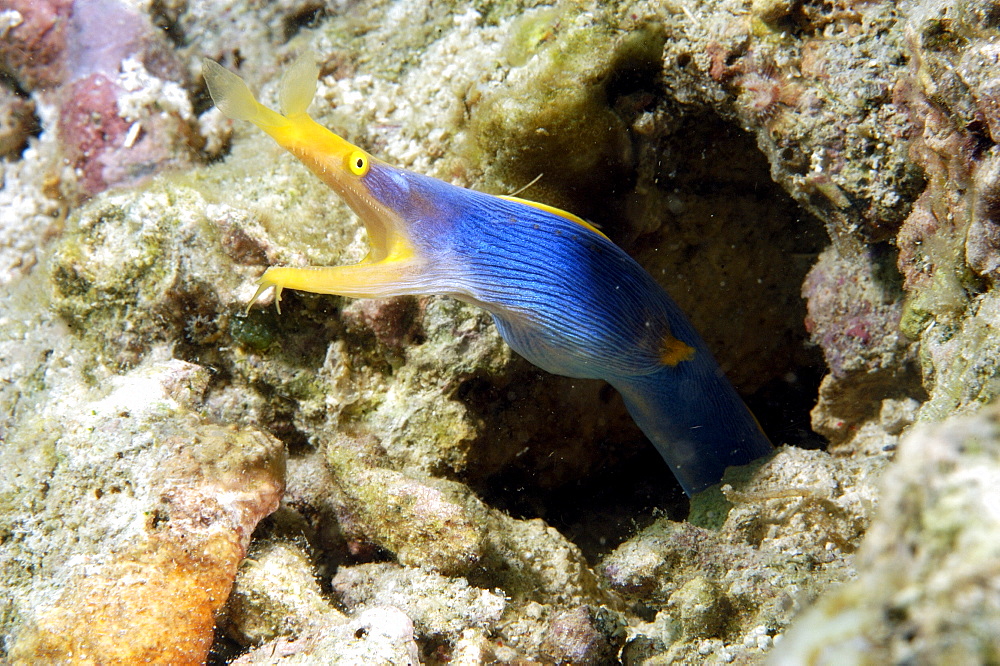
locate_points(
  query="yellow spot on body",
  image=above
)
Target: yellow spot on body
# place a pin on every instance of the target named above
(673, 351)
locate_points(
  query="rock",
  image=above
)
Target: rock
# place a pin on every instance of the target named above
(381, 636)
(274, 595)
(17, 122)
(34, 41)
(925, 589)
(700, 608)
(119, 129)
(583, 635)
(775, 535)
(161, 504)
(421, 524)
(854, 311)
(772, 11)
(441, 608)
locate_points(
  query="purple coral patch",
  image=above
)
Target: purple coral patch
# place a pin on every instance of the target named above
(89, 127)
(855, 333)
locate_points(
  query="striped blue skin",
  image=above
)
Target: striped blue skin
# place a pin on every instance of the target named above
(573, 303)
(562, 294)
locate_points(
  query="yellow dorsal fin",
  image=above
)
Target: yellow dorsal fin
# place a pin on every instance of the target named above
(234, 99)
(556, 211)
(298, 85)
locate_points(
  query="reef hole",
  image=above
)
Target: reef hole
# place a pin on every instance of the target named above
(703, 216)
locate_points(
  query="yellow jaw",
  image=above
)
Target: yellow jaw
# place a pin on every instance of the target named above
(391, 267)
(363, 280)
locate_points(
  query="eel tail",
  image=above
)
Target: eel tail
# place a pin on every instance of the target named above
(696, 420)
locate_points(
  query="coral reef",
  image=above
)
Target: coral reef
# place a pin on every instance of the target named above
(161, 506)
(276, 594)
(927, 575)
(35, 37)
(17, 122)
(454, 605)
(771, 538)
(378, 636)
(114, 82)
(815, 183)
(854, 315)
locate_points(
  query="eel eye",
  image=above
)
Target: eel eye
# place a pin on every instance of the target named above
(357, 162)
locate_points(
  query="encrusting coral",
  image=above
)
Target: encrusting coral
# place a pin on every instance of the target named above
(746, 153)
(162, 506)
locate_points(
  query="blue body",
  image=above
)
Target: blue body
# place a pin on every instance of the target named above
(573, 303)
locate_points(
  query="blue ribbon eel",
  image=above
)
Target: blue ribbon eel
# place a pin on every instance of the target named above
(561, 293)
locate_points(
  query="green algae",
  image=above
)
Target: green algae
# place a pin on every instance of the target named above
(529, 32)
(421, 523)
(710, 508)
(915, 318)
(554, 116)
(257, 330)
(151, 252)
(960, 361)
(701, 608)
(946, 295)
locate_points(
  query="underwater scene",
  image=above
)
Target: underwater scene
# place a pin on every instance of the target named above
(422, 332)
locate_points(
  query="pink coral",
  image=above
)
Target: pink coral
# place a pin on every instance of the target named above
(122, 118)
(33, 47)
(851, 314)
(89, 125)
(392, 320)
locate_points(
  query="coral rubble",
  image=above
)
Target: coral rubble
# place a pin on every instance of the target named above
(816, 184)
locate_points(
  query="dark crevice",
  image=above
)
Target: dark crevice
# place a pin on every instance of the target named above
(702, 214)
(308, 16)
(601, 510)
(201, 101)
(224, 649)
(165, 17)
(782, 405)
